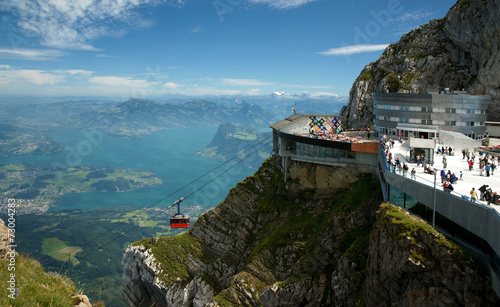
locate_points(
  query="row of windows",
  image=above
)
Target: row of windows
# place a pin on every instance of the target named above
(428, 121)
(430, 109)
(322, 152)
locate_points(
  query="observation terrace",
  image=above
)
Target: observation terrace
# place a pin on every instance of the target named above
(318, 139)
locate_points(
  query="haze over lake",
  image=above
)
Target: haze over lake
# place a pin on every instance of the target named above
(169, 153)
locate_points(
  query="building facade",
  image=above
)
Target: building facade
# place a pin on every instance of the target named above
(424, 115)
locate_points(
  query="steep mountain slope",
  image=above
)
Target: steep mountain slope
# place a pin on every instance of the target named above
(460, 51)
(268, 244)
(26, 282)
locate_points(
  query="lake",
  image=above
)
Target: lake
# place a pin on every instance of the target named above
(168, 153)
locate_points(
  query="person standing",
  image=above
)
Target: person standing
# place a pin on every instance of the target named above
(445, 162)
(471, 163)
(443, 175)
(488, 169)
(413, 174)
(463, 154)
(473, 195)
(405, 169)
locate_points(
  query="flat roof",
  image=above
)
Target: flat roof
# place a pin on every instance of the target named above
(294, 120)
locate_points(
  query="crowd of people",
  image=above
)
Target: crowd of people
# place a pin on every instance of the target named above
(485, 194)
(486, 165)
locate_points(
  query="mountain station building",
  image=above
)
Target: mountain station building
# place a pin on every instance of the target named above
(425, 115)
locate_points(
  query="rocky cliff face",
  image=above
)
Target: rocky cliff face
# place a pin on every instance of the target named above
(411, 264)
(271, 244)
(460, 51)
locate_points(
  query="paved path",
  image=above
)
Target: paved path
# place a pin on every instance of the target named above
(455, 164)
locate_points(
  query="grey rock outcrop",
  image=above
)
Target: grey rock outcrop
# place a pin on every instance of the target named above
(143, 285)
(4, 240)
(411, 264)
(460, 52)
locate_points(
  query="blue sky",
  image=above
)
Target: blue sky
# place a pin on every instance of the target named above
(124, 48)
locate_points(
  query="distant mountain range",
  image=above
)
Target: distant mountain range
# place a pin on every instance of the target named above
(136, 116)
(230, 141)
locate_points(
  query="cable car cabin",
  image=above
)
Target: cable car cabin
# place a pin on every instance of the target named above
(179, 221)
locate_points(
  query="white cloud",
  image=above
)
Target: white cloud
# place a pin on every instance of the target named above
(5, 67)
(122, 82)
(73, 24)
(171, 85)
(76, 72)
(31, 54)
(347, 50)
(197, 29)
(201, 91)
(23, 76)
(282, 4)
(254, 91)
(245, 82)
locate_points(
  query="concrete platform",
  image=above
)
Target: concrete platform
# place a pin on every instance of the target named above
(455, 164)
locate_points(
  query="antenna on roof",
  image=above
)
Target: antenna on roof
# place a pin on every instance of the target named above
(294, 109)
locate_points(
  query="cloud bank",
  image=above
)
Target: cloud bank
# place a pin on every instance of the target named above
(347, 50)
(73, 24)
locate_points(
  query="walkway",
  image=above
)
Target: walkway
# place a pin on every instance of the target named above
(455, 164)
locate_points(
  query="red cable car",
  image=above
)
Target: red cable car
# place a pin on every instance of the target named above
(179, 220)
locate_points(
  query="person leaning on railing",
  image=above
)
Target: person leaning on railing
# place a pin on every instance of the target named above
(447, 187)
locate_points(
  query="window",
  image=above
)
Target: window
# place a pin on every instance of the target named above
(470, 124)
(427, 122)
(483, 111)
(427, 109)
(404, 120)
(449, 110)
(402, 108)
(450, 123)
(470, 111)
